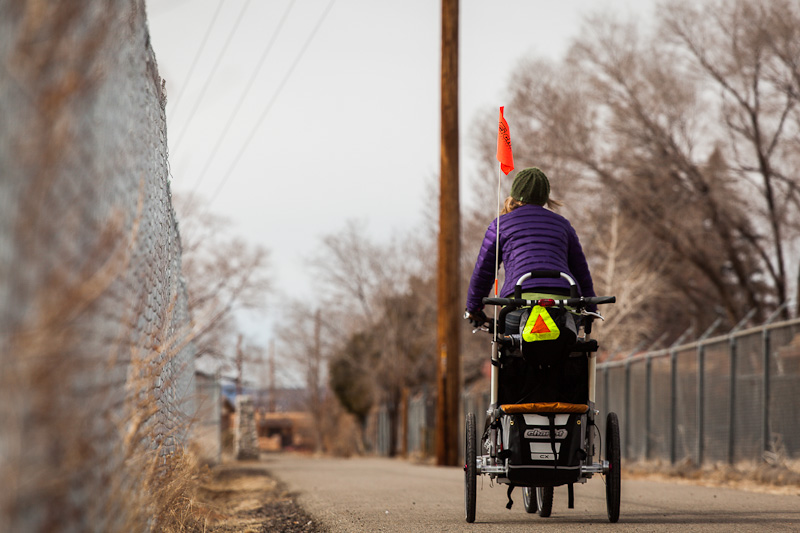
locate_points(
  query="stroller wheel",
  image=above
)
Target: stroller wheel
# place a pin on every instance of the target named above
(470, 468)
(529, 499)
(544, 500)
(613, 478)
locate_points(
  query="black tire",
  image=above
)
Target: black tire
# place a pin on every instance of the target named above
(470, 469)
(529, 499)
(544, 501)
(613, 477)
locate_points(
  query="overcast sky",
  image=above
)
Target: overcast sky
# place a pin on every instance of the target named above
(321, 111)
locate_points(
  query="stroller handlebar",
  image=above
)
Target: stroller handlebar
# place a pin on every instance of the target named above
(579, 302)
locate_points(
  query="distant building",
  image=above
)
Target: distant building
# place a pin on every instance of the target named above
(284, 431)
(281, 420)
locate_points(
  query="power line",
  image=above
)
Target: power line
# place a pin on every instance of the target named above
(164, 10)
(211, 74)
(246, 91)
(196, 58)
(272, 101)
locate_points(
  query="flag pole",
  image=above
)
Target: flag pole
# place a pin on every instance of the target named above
(494, 384)
(506, 159)
(497, 247)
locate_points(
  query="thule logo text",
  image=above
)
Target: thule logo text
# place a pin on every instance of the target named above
(544, 433)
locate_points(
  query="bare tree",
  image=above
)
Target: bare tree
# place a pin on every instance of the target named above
(746, 52)
(382, 295)
(349, 269)
(636, 277)
(652, 117)
(224, 275)
(782, 18)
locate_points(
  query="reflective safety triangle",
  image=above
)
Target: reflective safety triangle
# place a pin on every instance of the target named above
(540, 326)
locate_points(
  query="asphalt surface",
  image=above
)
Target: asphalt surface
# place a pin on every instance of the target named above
(376, 494)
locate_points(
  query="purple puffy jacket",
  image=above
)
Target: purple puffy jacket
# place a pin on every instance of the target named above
(531, 238)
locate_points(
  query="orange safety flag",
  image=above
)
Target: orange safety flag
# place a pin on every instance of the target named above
(540, 326)
(504, 154)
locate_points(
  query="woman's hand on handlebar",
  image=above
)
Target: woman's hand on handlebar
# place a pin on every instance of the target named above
(476, 318)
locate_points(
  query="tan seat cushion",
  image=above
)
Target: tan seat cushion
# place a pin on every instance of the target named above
(552, 407)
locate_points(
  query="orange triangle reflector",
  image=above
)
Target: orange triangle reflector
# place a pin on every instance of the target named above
(540, 326)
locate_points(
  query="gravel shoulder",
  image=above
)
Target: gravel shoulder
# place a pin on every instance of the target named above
(241, 497)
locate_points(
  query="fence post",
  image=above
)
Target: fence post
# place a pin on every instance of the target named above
(732, 386)
(673, 392)
(673, 404)
(767, 393)
(648, 382)
(732, 402)
(626, 419)
(626, 443)
(701, 389)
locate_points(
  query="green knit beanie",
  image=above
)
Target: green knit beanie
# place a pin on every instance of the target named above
(531, 187)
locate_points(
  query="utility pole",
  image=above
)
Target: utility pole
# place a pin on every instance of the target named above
(314, 381)
(448, 274)
(272, 392)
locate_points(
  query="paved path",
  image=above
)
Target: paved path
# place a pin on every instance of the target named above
(375, 494)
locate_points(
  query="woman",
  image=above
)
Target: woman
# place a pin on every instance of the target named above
(531, 238)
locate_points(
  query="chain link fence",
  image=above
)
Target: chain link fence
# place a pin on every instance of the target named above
(722, 399)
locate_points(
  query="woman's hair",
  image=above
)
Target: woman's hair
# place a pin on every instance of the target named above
(511, 204)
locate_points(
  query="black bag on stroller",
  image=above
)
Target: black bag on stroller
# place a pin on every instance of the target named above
(543, 370)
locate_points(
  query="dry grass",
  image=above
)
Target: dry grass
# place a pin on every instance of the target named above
(176, 508)
(243, 498)
(782, 477)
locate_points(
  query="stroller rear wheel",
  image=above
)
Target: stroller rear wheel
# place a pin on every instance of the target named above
(544, 500)
(613, 478)
(529, 499)
(470, 468)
